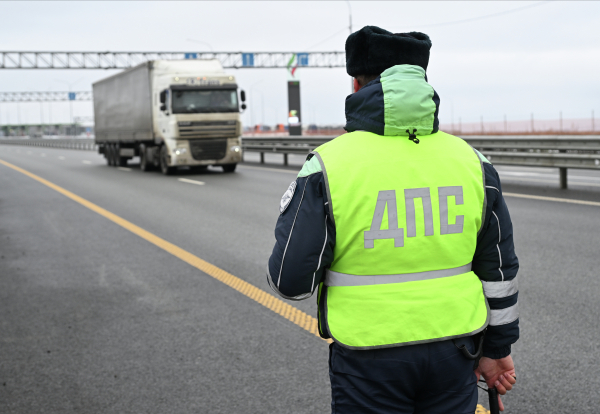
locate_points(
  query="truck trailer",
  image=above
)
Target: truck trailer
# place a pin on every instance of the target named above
(170, 113)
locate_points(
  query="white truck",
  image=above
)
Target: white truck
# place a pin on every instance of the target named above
(170, 113)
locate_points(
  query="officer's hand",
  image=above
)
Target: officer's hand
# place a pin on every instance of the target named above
(499, 373)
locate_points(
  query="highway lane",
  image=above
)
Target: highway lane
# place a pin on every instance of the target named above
(147, 333)
(158, 306)
(215, 221)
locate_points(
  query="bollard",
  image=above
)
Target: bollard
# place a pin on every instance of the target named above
(262, 157)
(285, 159)
(562, 172)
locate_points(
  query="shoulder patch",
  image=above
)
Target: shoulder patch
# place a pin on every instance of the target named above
(311, 166)
(482, 157)
(287, 197)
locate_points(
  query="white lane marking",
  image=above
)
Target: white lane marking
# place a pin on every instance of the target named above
(61, 158)
(28, 152)
(86, 162)
(560, 200)
(123, 168)
(42, 155)
(535, 180)
(185, 180)
(269, 169)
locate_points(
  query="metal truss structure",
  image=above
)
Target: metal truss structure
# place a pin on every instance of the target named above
(124, 60)
(45, 96)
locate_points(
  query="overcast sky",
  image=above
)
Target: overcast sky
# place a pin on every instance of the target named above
(541, 59)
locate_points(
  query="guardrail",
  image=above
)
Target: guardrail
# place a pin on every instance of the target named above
(556, 151)
(283, 145)
(67, 143)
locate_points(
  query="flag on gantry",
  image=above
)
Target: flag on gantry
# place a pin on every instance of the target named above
(293, 64)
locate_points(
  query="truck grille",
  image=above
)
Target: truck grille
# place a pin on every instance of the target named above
(208, 129)
(208, 149)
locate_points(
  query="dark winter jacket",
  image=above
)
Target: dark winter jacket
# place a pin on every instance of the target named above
(305, 233)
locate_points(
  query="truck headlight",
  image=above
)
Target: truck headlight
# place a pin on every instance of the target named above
(235, 148)
(179, 151)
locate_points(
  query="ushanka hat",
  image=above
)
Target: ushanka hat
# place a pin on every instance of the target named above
(372, 50)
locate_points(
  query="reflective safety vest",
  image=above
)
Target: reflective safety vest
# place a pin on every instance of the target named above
(407, 218)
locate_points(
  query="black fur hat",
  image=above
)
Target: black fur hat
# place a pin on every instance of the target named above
(372, 50)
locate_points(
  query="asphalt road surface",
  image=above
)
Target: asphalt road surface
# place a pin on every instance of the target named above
(96, 319)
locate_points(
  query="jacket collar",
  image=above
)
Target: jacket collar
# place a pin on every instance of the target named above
(398, 101)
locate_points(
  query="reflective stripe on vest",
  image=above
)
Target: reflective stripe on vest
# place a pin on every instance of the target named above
(341, 279)
(407, 218)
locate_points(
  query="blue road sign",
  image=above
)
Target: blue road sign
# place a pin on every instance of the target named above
(72, 96)
(247, 59)
(302, 59)
(191, 55)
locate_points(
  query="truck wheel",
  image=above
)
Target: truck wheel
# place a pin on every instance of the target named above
(107, 154)
(229, 168)
(111, 155)
(164, 167)
(115, 155)
(144, 164)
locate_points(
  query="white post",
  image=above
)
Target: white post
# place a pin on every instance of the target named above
(71, 111)
(350, 29)
(262, 109)
(452, 115)
(560, 122)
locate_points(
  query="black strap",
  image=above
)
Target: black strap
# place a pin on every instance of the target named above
(478, 340)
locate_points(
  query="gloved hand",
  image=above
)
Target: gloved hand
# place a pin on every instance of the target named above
(499, 373)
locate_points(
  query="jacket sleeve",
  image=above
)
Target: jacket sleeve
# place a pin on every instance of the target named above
(304, 238)
(496, 264)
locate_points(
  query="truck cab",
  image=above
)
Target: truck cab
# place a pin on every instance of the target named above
(170, 113)
(197, 115)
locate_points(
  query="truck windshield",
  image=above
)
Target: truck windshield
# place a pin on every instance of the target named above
(202, 101)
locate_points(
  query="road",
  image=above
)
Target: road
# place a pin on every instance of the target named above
(98, 319)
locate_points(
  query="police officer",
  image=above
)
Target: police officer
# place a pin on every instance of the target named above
(403, 232)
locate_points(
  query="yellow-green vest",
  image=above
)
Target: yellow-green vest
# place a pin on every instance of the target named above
(407, 218)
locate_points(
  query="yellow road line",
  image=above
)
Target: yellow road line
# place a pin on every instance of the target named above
(560, 200)
(481, 410)
(269, 301)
